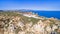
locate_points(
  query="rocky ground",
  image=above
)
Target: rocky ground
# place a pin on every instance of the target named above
(17, 23)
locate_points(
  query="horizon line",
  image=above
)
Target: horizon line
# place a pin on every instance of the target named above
(30, 9)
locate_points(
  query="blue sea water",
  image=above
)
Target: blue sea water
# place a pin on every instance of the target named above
(55, 14)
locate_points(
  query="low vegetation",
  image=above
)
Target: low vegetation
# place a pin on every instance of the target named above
(12, 22)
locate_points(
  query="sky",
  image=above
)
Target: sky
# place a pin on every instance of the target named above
(30, 4)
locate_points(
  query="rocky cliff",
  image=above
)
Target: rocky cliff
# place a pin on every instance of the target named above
(27, 23)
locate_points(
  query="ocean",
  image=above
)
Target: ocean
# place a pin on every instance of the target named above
(49, 14)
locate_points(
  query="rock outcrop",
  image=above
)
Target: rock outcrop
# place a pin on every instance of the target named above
(17, 23)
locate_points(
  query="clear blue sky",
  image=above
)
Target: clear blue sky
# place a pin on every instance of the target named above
(30, 4)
